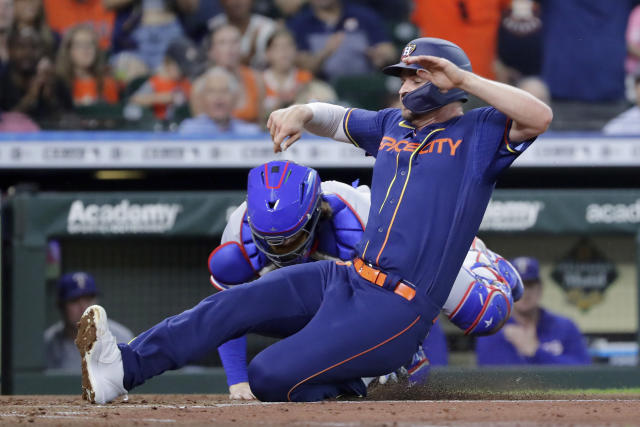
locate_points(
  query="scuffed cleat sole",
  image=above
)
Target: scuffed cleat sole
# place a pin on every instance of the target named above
(84, 341)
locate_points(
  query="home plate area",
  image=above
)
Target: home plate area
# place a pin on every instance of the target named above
(141, 409)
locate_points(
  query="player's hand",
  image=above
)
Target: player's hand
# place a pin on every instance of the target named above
(439, 71)
(241, 391)
(286, 125)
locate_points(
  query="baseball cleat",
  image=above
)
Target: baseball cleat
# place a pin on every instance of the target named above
(102, 370)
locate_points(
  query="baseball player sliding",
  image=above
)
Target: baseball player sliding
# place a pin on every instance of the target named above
(258, 238)
(435, 170)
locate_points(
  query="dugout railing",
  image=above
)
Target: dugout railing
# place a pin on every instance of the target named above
(148, 253)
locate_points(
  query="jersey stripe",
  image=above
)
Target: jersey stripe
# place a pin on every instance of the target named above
(393, 218)
(346, 128)
(365, 250)
(404, 125)
(506, 138)
(390, 185)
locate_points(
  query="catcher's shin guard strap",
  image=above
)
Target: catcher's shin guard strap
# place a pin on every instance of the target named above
(377, 277)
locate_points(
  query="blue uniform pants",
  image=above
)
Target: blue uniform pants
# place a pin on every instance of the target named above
(338, 328)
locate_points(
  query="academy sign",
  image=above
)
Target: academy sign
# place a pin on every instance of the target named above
(610, 213)
(511, 215)
(121, 218)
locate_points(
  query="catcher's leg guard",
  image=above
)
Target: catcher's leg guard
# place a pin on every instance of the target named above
(511, 276)
(480, 301)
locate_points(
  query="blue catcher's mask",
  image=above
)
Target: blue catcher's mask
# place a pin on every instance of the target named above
(283, 209)
(428, 96)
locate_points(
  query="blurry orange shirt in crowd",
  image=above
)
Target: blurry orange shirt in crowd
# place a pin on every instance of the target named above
(164, 85)
(471, 24)
(85, 91)
(63, 14)
(249, 107)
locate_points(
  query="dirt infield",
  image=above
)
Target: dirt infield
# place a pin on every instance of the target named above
(153, 410)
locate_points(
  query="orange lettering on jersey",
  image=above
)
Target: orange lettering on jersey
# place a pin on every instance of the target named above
(436, 146)
(387, 141)
(427, 148)
(411, 146)
(453, 147)
(402, 143)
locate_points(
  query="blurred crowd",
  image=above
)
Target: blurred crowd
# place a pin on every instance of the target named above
(221, 66)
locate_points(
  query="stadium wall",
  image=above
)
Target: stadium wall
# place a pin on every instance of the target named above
(148, 251)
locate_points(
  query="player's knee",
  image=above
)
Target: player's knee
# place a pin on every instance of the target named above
(267, 384)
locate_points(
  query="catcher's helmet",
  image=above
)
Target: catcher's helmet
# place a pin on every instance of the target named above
(283, 208)
(428, 96)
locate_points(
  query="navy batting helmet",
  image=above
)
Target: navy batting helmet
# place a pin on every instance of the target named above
(283, 208)
(428, 96)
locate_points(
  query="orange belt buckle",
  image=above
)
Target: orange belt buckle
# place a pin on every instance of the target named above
(377, 277)
(405, 291)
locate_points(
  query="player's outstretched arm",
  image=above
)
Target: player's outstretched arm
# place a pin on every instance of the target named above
(287, 124)
(530, 116)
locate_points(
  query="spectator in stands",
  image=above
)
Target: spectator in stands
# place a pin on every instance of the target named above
(533, 335)
(632, 63)
(218, 90)
(64, 14)
(127, 67)
(317, 91)
(76, 291)
(195, 15)
(584, 49)
(627, 123)
(150, 35)
(392, 11)
(6, 21)
(30, 13)
(168, 89)
(80, 63)
(288, 8)
(282, 80)
(225, 51)
(520, 31)
(471, 24)
(536, 87)
(255, 29)
(29, 83)
(337, 38)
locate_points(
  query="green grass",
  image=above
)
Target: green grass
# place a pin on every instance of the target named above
(401, 392)
(598, 391)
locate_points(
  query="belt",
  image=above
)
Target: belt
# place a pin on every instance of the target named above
(377, 277)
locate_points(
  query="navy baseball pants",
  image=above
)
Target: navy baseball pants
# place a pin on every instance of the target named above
(338, 328)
